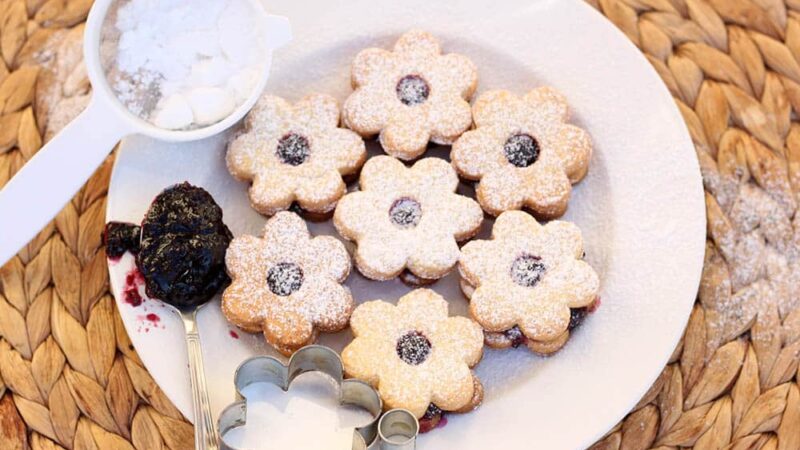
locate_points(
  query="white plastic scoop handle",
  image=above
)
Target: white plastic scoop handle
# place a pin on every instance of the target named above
(47, 182)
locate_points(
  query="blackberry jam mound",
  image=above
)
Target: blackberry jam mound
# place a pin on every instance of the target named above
(183, 245)
(119, 237)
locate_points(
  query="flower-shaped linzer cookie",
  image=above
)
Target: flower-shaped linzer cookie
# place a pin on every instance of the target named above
(527, 279)
(287, 284)
(415, 355)
(411, 95)
(407, 218)
(523, 152)
(295, 153)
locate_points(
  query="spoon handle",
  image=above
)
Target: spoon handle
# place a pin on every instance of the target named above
(47, 182)
(205, 435)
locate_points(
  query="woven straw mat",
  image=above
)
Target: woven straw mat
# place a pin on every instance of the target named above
(69, 376)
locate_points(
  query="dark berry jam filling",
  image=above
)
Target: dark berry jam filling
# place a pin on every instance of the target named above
(527, 270)
(119, 237)
(413, 348)
(293, 149)
(516, 336)
(521, 150)
(182, 252)
(576, 317)
(405, 212)
(412, 90)
(431, 418)
(284, 278)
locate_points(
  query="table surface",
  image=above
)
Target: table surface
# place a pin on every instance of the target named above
(70, 378)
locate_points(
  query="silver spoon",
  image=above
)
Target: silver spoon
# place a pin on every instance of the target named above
(205, 433)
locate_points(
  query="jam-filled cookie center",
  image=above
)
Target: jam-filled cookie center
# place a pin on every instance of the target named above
(405, 212)
(284, 278)
(293, 149)
(521, 150)
(413, 348)
(412, 90)
(527, 270)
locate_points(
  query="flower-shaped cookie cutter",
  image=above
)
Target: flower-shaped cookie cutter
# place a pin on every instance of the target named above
(396, 430)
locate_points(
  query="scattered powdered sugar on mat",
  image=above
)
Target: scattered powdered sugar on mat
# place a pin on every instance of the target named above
(183, 65)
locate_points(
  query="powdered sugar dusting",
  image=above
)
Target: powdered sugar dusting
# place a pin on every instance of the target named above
(528, 276)
(413, 348)
(522, 152)
(181, 65)
(407, 218)
(411, 95)
(414, 353)
(405, 212)
(757, 269)
(412, 90)
(287, 283)
(295, 153)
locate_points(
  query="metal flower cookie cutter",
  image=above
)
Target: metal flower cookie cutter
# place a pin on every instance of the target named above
(396, 430)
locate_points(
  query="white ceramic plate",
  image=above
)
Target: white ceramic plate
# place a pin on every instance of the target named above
(641, 210)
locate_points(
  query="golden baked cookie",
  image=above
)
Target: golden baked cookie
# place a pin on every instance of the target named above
(415, 355)
(411, 95)
(295, 153)
(287, 284)
(407, 218)
(522, 152)
(527, 279)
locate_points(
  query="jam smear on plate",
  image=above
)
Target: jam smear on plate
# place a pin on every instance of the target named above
(152, 317)
(130, 293)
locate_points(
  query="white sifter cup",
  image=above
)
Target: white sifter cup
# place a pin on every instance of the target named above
(47, 182)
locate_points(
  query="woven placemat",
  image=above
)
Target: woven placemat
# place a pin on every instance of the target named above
(69, 376)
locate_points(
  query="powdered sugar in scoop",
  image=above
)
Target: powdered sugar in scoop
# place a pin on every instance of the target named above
(183, 65)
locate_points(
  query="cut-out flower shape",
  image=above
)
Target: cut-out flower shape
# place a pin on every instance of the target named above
(523, 152)
(415, 355)
(287, 284)
(295, 153)
(407, 218)
(411, 95)
(528, 276)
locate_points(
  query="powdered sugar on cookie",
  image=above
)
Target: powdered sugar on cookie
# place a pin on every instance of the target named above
(287, 284)
(530, 276)
(411, 95)
(522, 152)
(407, 218)
(415, 355)
(295, 153)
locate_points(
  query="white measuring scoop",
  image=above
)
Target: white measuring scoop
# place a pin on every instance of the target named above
(49, 180)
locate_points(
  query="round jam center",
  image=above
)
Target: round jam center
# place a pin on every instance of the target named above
(284, 278)
(527, 270)
(521, 150)
(412, 90)
(293, 149)
(413, 348)
(405, 212)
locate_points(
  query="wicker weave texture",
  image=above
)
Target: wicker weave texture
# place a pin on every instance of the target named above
(70, 378)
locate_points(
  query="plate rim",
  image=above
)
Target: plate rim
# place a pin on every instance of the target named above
(686, 305)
